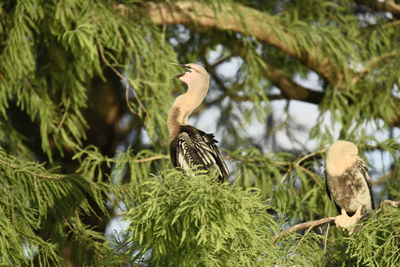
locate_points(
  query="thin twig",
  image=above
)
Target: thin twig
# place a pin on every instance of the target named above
(383, 178)
(157, 157)
(283, 163)
(302, 226)
(312, 175)
(64, 115)
(151, 158)
(13, 166)
(123, 78)
(310, 156)
(127, 99)
(389, 202)
(326, 236)
(301, 239)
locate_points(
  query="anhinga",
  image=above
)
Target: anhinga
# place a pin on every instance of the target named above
(190, 147)
(348, 183)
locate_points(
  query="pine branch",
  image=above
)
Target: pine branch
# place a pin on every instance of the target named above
(38, 175)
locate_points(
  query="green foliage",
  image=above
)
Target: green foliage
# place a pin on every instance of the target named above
(382, 234)
(85, 89)
(197, 221)
(35, 199)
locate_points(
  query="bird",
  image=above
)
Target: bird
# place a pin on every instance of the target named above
(348, 183)
(189, 146)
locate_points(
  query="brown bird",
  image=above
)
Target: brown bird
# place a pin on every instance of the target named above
(348, 183)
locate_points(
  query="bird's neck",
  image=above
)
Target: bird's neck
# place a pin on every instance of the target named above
(339, 164)
(184, 106)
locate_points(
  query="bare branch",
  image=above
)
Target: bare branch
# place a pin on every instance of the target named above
(302, 226)
(151, 158)
(291, 89)
(392, 203)
(383, 178)
(312, 154)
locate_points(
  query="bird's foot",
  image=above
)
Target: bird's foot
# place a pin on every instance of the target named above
(344, 221)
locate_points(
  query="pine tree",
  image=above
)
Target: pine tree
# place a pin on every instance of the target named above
(85, 90)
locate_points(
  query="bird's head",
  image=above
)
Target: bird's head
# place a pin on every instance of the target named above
(194, 74)
(340, 156)
(343, 148)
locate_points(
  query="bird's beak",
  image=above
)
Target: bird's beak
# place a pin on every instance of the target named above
(177, 64)
(179, 75)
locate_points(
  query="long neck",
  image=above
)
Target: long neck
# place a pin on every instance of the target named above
(184, 106)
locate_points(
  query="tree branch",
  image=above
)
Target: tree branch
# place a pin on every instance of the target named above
(151, 158)
(302, 226)
(263, 26)
(311, 224)
(388, 202)
(38, 175)
(383, 178)
(291, 89)
(388, 5)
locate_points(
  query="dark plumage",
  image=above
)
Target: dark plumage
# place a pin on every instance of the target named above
(193, 147)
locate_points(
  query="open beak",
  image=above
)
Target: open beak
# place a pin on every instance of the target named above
(182, 65)
(177, 64)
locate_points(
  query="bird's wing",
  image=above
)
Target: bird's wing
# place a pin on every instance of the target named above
(211, 142)
(364, 171)
(329, 191)
(362, 167)
(197, 149)
(326, 183)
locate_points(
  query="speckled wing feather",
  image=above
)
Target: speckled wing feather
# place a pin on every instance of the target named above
(193, 147)
(364, 171)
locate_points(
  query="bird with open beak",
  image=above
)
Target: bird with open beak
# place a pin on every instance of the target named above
(189, 146)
